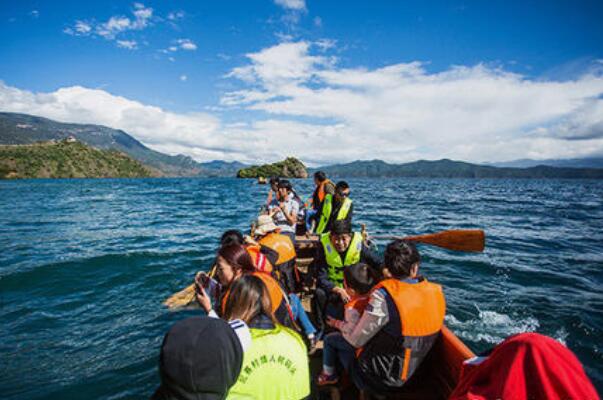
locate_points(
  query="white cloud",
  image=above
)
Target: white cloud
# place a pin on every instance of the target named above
(115, 25)
(302, 103)
(196, 134)
(34, 13)
(127, 44)
(181, 44)
(402, 112)
(175, 15)
(80, 28)
(186, 44)
(291, 4)
(325, 44)
(183, 78)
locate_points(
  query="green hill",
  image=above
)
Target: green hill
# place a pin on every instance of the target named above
(453, 169)
(67, 160)
(289, 168)
(27, 129)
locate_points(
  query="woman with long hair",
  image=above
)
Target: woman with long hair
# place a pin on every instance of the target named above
(275, 366)
(232, 262)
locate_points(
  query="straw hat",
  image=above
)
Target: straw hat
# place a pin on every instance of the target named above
(264, 225)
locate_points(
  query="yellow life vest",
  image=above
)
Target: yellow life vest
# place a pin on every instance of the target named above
(334, 261)
(274, 367)
(327, 207)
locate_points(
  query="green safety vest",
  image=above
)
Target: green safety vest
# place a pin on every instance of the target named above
(275, 366)
(336, 265)
(327, 207)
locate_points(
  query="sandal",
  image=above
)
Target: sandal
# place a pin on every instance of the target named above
(325, 379)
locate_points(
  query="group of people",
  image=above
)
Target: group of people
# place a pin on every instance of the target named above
(329, 203)
(377, 316)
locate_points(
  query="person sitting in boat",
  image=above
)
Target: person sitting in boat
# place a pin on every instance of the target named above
(339, 248)
(525, 366)
(400, 324)
(275, 366)
(336, 207)
(284, 209)
(273, 190)
(232, 262)
(263, 257)
(201, 358)
(323, 187)
(280, 252)
(359, 279)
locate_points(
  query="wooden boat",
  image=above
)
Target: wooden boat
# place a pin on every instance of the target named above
(437, 376)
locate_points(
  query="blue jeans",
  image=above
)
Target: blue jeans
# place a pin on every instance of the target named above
(299, 314)
(337, 348)
(309, 216)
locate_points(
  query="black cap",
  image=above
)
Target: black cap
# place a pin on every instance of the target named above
(201, 358)
(284, 183)
(341, 226)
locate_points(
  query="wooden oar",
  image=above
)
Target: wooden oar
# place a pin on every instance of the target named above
(186, 296)
(471, 240)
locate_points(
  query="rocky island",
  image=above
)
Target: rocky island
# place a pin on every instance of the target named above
(291, 167)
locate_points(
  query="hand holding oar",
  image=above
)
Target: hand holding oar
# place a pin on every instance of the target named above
(472, 240)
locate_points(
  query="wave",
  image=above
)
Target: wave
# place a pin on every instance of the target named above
(491, 327)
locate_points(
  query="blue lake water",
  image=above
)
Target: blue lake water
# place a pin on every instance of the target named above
(86, 264)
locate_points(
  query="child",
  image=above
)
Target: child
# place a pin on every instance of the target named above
(358, 281)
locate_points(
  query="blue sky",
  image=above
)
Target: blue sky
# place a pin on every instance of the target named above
(256, 80)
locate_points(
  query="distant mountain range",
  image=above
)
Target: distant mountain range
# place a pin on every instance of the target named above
(28, 129)
(452, 169)
(589, 162)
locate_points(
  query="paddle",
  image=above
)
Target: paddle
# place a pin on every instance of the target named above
(186, 295)
(471, 240)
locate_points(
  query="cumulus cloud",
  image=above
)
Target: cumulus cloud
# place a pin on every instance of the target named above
(303, 103)
(183, 78)
(291, 4)
(402, 112)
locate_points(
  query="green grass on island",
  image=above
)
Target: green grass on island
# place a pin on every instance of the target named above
(67, 159)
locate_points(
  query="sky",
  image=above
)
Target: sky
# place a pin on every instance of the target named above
(325, 81)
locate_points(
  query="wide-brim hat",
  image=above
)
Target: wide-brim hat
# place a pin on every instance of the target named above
(264, 225)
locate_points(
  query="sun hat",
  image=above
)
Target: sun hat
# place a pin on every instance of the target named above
(264, 225)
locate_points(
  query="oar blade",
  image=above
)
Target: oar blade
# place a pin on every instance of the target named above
(470, 240)
(182, 298)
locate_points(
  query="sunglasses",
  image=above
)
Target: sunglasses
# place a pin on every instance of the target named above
(343, 194)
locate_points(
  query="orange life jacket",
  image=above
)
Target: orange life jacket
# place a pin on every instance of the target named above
(358, 303)
(320, 190)
(282, 244)
(260, 260)
(421, 308)
(280, 305)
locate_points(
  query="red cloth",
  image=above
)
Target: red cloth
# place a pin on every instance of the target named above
(527, 366)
